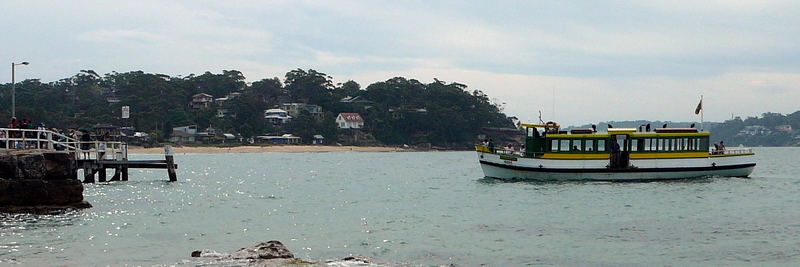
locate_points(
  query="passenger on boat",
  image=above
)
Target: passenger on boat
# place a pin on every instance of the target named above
(716, 149)
(615, 152)
(575, 148)
(491, 146)
(721, 147)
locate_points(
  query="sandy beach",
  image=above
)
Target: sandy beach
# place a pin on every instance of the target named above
(263, 149)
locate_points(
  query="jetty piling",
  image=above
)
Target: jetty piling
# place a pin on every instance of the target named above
(168, 156)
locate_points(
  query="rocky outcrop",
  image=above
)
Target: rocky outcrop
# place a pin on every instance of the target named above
(273, 253)
(34, 180)
(265, 250)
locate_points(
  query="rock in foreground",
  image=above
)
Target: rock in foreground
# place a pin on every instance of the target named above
(36, 181)
(273, 253)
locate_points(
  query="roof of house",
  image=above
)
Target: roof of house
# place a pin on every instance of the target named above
(202, 95)
(351, 117)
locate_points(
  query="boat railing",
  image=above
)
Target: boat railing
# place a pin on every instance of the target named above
(731, 151)
(500, 151)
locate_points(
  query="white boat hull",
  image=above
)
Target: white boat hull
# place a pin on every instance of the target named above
(643, 169)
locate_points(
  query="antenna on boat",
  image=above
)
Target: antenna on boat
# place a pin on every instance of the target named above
(701, 113)
(540, 117)
(554, 104)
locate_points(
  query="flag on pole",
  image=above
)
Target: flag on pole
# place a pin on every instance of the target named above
(699, 107)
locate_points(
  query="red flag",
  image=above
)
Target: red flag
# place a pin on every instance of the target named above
(699, 107)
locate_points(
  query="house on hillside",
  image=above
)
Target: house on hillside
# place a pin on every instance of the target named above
(286, 139)
(784, 128)
(295, 109)
(201, 101)
(318, 139)
(349, 121)
(754, 130)
(101, 130)
(277, 116)
(355, 99)
(183, 134)
(401, 112)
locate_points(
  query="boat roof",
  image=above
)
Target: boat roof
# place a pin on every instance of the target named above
(529, 125)
(631, 134)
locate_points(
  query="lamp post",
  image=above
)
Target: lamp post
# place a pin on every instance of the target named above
(14, 88)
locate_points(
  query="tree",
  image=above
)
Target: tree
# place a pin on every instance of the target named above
(310, 86)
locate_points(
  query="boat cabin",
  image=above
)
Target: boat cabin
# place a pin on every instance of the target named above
(547, 138)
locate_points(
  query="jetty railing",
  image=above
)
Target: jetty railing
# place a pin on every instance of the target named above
(42, 139)
(94, 157)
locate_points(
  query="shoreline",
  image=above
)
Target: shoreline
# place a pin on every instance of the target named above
(266, 149)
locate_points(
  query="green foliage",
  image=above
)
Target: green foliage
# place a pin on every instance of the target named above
(401, 111)
(735, 131)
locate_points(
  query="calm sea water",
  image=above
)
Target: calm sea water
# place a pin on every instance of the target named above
(423, 208)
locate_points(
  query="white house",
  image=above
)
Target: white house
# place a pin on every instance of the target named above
(349, 121)
(295, 109)
(277, 116)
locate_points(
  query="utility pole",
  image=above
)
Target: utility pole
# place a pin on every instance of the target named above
(14, 88)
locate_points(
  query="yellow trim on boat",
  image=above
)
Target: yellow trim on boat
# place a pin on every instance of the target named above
(670, 134)
(482, 148)
(595, 135)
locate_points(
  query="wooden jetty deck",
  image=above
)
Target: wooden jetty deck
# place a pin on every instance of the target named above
(93, 157)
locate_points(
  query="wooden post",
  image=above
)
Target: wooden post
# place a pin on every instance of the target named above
(117, 175)
(170, 163)
(125, 159)
(124, 173)
(88, 175)
(101, 173)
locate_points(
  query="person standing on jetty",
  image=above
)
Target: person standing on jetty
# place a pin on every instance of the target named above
(86, 140)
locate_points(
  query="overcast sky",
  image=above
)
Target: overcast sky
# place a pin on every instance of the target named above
(596, 60)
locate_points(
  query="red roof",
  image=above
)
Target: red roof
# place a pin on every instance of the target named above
(351, 117)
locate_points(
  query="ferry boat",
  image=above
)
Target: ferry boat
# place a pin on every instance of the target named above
(619, 154)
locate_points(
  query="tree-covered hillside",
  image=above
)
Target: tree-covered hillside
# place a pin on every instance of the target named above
(396, 111)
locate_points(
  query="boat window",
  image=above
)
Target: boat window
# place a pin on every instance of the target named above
(564, 145)
(704, 144)
(577, 145)
(622, 140)
(660, 145)
(634, 144)
(554, 145)
(690, 145)
(601, 145)
(589, 145)
(648, 144)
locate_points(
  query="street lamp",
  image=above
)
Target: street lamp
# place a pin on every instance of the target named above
(14, 88)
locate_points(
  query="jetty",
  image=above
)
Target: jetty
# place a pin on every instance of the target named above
(95, 158)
